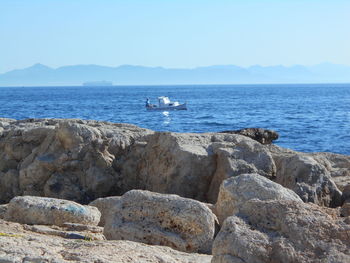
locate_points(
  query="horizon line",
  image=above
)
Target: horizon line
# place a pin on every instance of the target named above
(165, 85)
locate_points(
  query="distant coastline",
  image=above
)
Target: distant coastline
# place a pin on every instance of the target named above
(41, 75)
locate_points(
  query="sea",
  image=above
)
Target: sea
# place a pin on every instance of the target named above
(308, 117)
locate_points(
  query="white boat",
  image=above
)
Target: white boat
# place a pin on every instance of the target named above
(165, 104)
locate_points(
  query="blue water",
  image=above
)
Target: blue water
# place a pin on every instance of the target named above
(308, 118)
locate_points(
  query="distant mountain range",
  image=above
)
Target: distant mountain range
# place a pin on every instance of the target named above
(41, 75)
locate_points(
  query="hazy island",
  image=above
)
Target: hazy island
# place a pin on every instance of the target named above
(42, 75)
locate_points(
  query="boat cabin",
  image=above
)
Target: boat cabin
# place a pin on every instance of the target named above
(164, 102)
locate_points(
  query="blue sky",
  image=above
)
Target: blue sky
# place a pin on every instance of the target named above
(173, 33)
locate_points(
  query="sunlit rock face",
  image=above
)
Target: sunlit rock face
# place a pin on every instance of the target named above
(161, 219)
(68, 159)
(35, 210)
(311, 176)
(236, 191)
(283, 231)
(37, 243)
(169, 189)
(83, 160)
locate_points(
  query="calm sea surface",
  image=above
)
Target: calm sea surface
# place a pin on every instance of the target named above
(308, 117)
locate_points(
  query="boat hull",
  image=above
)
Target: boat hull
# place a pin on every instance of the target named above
(167, 108)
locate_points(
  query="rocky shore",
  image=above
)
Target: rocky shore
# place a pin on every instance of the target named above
(89, 191)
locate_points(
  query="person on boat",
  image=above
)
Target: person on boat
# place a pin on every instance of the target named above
(148, 103)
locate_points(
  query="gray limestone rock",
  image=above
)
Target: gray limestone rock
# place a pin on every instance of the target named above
(236, 155)
(346, 193)
(105, 205)
(159, 219)
(67, 159)
(172, 163)
(345, 209)
(3, 209)
(236, 191)
(282, 231)
(192, 165)
(306, 176)
(83, 160)
(20, 243)
(50, 211)
(338, 166)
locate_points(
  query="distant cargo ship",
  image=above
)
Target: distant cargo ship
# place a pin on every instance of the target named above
(98, 83)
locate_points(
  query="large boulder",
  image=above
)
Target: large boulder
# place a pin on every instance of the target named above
(105, 206)
(236, 191)
(172, 163)
(236, 155)
(158, 219)
(282, 231)
(192, 165)
(67, 159)
(303, 174)
(50, 211)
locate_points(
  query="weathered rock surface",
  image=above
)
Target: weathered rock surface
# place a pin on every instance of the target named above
(283, 231)
(306, 176)
(338, 166)
(158, 219)
(50, 211)
(345, 209)
(18, 245)
(237, 155)
(171, 163)
(191, 165)
(3, 209)
(67, 232)
(67, 159)
(236, 191)
(4, 122)
(83, 160)
(105, 206)
(346, 193)
(263, 136)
